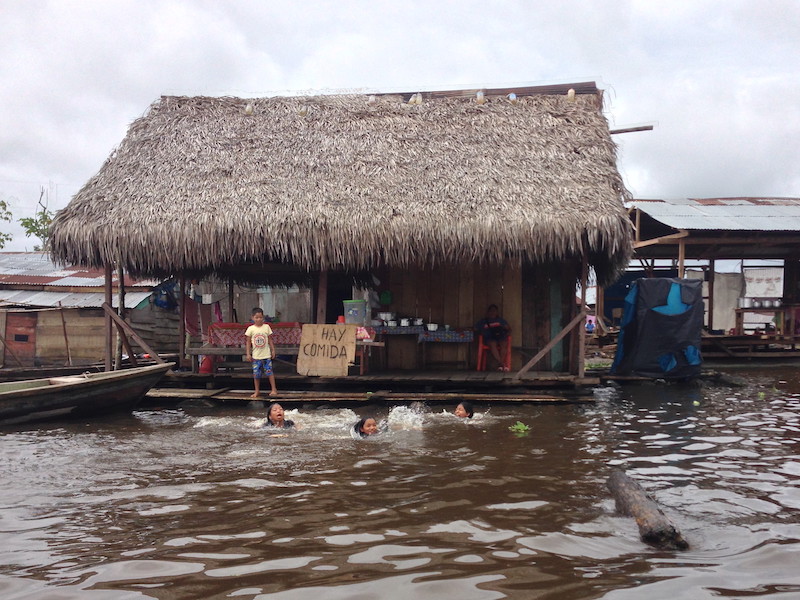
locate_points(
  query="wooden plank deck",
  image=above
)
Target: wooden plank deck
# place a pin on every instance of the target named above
(393, 386)
(328, 397)
(388, 378)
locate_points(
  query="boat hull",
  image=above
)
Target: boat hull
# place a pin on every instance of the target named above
(80, 396)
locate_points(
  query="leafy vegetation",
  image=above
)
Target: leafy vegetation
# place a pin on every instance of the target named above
(39, 224)
(5, 215)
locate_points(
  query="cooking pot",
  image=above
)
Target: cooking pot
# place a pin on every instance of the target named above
(404, 322)
(776, 303)
(745, 302)
(756, 304)
(767, 304)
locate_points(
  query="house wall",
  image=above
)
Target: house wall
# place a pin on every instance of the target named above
(548, 305)
(20, 337)
(157, 327)
(85, 332)
(536, 301)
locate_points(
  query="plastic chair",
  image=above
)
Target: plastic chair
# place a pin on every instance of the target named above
(483, 352)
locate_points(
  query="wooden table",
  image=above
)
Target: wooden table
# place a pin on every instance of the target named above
(784, 317)
(441, 336)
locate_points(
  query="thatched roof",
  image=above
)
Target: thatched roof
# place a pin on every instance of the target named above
(200, 184)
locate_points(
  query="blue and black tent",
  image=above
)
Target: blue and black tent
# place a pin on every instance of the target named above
(661, 328)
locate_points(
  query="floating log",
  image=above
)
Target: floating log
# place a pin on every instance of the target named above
(654, 526)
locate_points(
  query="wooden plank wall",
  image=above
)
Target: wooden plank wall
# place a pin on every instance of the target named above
(85, 329)
(3, 314)
(156, 326)
(454, 295)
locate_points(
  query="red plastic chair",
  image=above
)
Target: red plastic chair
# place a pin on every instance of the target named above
(483, 352)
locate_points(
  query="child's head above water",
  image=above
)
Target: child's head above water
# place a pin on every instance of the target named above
(275, 413)
(366, 426)
(464, 410)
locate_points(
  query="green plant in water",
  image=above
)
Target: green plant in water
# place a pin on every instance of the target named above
(761, 395)
(519, 429)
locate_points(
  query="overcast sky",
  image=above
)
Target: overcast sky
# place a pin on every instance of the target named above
(720, 81)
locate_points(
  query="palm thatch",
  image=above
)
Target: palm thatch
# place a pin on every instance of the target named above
(202, 184)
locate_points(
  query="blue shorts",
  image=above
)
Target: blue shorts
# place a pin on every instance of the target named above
(262, 367)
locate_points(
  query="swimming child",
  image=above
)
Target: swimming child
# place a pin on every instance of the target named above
(275, 417)
(464, 410)
(260, 350)
(365, 427)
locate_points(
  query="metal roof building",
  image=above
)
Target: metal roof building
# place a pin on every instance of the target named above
(717, 228)
(32, 279)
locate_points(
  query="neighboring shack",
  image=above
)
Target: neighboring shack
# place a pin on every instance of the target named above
(447, 200)
(51, 315)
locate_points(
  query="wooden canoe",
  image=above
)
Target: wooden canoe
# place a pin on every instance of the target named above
(84, 395)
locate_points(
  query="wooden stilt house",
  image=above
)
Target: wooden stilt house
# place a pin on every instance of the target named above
(447, 200)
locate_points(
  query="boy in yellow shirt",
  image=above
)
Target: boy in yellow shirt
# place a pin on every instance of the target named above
(260, 351)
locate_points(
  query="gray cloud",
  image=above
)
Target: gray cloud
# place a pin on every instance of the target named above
(718, 79)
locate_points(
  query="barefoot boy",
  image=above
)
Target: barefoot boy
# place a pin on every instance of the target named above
(260, 351)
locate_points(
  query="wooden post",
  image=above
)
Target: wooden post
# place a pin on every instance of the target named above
(681, 258)
(581, 329)
(711, 267)
(64, 329)
(600, 309)
(231, 309)
(182, 323)
(109, 331)
(124, 326)
(322, 297)
(121, 313)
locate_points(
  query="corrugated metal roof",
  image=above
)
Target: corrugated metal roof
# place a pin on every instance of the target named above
(735, 214)
(67, 299)
(36, 268)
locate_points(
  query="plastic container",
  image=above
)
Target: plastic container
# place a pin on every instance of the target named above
(355, 311)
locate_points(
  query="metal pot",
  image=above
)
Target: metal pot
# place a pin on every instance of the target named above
(776, 303)
(767, 304)
(756, 304)
(745, 303)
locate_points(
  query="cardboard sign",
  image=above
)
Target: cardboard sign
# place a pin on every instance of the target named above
(326, 350)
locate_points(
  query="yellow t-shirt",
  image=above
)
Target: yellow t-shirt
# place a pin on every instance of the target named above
(258, 341)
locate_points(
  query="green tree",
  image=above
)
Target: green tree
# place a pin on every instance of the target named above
(39, 224)
(5, 215)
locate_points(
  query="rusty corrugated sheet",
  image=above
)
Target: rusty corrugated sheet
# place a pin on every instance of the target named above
(36, 268)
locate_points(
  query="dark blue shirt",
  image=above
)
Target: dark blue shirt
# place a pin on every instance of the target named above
(493, 329)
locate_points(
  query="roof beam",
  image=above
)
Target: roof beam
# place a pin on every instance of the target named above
(664, 239)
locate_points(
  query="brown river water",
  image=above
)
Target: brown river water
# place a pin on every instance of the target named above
(201, 502)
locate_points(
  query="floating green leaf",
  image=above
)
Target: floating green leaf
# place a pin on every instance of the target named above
(519, 429)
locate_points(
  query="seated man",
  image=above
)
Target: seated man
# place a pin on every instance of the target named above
(494, 330)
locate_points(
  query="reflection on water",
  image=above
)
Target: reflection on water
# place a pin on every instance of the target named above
(202, 502)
